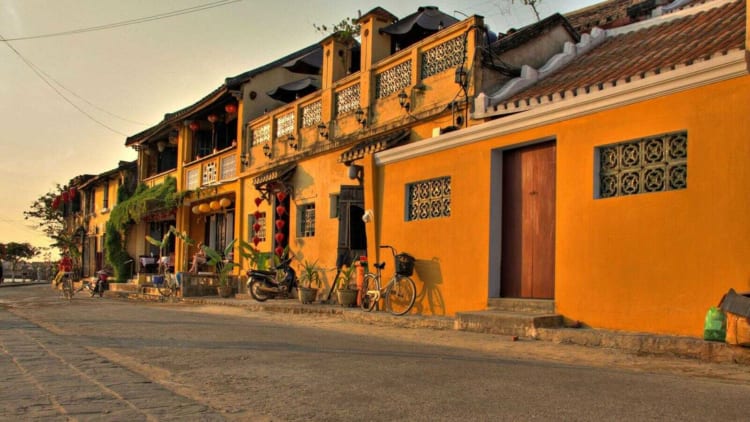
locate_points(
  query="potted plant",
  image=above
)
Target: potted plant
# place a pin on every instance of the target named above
(346, 293)
(309, 282)
(224, 266)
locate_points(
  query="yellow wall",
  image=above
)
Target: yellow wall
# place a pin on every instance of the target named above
(651, 262)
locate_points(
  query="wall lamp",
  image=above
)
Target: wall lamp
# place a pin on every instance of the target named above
(355, 172)
(292, 141)
(322, 130)
(267, 150)
(462, 77)
(360, 116)
(403, 100)
(245, 159)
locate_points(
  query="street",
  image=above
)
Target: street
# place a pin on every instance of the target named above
(107, 359)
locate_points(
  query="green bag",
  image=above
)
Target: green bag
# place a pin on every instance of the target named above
(715, 327)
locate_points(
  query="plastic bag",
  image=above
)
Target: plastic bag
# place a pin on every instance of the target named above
(715, 327)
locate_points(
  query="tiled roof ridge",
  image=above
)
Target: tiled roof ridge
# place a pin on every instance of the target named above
(495, 104)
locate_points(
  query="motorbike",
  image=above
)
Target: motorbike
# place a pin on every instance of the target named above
(97, 286)
(264, 285)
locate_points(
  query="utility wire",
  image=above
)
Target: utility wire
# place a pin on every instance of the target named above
(113, 25)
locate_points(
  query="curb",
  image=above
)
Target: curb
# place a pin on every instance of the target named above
(25, 283)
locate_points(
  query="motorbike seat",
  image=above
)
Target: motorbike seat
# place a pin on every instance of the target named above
(265, 272)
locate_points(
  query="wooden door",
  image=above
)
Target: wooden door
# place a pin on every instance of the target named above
(528, 224)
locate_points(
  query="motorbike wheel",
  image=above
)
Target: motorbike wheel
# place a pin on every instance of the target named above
(256, 292)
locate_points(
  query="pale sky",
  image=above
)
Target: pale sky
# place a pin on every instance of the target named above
(140, 72)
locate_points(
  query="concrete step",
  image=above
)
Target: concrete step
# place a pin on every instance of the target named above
(521, 324)
(542, 306)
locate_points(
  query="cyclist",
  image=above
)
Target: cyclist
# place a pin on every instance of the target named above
(65, 266)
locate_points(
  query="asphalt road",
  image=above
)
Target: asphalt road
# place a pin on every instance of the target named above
(105, 359)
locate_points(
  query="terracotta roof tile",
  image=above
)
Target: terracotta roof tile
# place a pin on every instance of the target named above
(652, 49)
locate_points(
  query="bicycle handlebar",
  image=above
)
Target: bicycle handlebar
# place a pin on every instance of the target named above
(393, 250)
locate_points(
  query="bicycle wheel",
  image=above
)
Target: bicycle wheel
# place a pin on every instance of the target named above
(369, 300)
(67, 288)
(168, 286)
(400, 295)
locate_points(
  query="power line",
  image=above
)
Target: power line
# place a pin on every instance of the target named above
(113, 25)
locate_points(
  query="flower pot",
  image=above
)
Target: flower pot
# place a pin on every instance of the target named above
(347, 297)
(224, 291)
(307, 295)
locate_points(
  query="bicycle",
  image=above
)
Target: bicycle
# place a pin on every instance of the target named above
(400, 292)
(168, 285)
(67, 285)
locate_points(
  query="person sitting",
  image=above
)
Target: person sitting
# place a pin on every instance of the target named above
(198, 259)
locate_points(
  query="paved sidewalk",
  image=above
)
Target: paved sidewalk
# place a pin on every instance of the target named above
(640, 343)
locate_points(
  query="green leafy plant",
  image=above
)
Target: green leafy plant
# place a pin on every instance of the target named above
(309, 275)
(217, 259)
(345, 278)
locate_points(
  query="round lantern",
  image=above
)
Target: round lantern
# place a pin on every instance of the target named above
(212, 118)
(65, 196)
(204, 208)
(258, 201)
(256, 240)
(279, 250)
(230, 108)
(258, 214)
(281, 196)
(72, 193)
(215, 205)
(225, 202)
(280, 210)
(56, 203)
(279, 237)
(280, 224)
(256, 227)
(195, 209)
(194, 126)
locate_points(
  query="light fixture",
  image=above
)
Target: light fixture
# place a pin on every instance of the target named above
(245, 159)
(194, 125)
(403, 100)
(212, 118)
(230, 108)
(462, 77)
(360, 116)
(355, 172)
(267, 150)
(292, 141)
(322, 130)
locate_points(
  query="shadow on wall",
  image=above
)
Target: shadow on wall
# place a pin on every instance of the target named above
(429, 300)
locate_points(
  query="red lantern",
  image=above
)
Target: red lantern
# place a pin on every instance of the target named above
(280, 224)
(256, 240)
(258, 201)
(279, 237)
(258, 214)
(65, 196)
(212, 118)
(194, 126)
(256, 227)
(280, 210)
(72, 193)
(230, 108)
(279, 250)
(281, 196)
(55, 203)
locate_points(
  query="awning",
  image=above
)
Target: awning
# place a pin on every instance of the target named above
(373, 145)
(293, 90)
(428, 18)
(309, 63)
(281, 173)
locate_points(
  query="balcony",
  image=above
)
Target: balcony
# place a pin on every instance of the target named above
(159, 178)
(211, 170)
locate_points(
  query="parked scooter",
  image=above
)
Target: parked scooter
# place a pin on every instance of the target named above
(97, 286)
(263, 285)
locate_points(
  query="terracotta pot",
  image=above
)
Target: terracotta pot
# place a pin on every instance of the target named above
(307, 295)
(347, 297)
(224, 291)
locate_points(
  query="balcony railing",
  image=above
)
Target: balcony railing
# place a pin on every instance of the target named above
(216, 168)
(159, 178)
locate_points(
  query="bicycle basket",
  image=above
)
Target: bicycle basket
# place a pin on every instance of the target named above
(404, 264)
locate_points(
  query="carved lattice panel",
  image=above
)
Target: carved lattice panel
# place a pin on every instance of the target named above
(228, 167)
(653, 164)
(209, 173)
(442, 57)
(261, 134)
(393, 79)
(307, 224)
(347, 100)
(285, 125)
(312, 114)
(192, 179)
(429, 199)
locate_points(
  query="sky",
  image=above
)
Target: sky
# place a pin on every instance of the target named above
(103, 86)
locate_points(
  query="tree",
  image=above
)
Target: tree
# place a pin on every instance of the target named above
(16, 252)
(505, 10)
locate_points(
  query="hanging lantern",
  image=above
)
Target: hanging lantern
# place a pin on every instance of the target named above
(280, 224)
(56, 203)
(258, 215)
(215, 205)
(256, 240)
(212, 118)
(72, 192)
(204, 208)
(279, 250)
(194, 126)
(258, 201)
(225, 202)
(256, 227)
(230, 108)
(195, 209)
(279, 237)
(65, 196)
(280, 210)
(281, 196)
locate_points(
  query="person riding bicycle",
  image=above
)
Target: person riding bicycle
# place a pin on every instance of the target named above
(65, 266)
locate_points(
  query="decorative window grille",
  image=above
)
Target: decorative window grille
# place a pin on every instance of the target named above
(307, 220)
(251, 221)
(442, 57)
(192, 179)
(285, 125)
(209, 173)
(228, 167)
(393, 79)
(261, 134)
(347, 100)
(428, 199)
(311, 114)
(653, 164)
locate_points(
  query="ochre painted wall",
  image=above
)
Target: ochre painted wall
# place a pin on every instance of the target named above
(651, 262)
